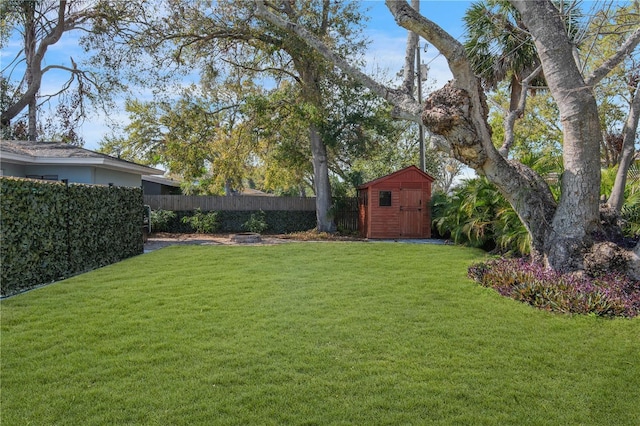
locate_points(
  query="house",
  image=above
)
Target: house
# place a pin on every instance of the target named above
(59, 161)
(160, 185)
(396, 205)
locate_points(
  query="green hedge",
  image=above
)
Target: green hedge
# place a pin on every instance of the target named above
(280, 222)
(52, 231)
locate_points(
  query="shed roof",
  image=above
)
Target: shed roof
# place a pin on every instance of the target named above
(56, 153)
(396, 175)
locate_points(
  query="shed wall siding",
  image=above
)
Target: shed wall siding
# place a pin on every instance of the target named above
(383, 220)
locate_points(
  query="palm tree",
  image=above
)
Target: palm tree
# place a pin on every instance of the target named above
(499, 46)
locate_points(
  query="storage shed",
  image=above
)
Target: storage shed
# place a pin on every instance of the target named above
(396, 205)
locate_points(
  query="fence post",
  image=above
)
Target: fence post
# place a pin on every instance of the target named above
(67, 217)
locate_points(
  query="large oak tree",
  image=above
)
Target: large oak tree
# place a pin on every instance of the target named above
(227, 33)
(565, 234)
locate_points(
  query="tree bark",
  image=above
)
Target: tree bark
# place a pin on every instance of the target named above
(312, 93)
(321, 182)
(516, 90)
(516, 111)
(616, 200)
(30, 55)
(577, 217)
(309, 70)
(458, 112)
(34, 56)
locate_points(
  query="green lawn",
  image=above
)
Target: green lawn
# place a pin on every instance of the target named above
(307, 333)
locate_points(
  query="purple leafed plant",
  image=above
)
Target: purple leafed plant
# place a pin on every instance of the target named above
(611, 295)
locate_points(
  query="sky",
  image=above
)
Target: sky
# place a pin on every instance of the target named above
(386, 51)
(388, 40)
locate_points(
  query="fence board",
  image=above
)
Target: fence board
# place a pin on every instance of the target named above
(233, 203)
(346, 215)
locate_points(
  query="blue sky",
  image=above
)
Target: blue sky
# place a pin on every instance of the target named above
(388, 40)
(386, 51)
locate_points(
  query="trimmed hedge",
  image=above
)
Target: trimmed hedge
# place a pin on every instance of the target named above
(280, 222)
(51, 231)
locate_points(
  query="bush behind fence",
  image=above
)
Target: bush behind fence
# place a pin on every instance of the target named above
(279, 222)
(282, 214)
(51, 231)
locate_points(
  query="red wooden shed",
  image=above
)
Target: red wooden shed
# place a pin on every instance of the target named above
(396, 205)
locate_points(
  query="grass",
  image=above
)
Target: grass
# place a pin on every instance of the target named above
(307, 333)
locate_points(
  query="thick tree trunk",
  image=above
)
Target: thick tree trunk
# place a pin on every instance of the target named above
(577, 217)
(32, 68)
(322, 185)
(460, 117)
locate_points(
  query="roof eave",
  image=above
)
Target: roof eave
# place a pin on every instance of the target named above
(105, 163)
(396, 173)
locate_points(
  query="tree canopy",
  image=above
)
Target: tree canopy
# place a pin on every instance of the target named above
(564, 232)
(39, 25)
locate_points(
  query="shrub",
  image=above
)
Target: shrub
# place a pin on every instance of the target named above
(280, 222)
(631, 219)
(204, 223)
(256, 223)
(160, 220)
(476, 214)
(610, 295)
(52, 231)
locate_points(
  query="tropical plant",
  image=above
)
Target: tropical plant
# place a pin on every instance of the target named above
(609, 295)
(498, 45)
(160, 220)
(476, 214)
(630, 212)
(201, 222)
(256, 223)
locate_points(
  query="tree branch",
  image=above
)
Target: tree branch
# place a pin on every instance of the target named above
(270, 69)
(408, 108)
(407, 17)
(510, 122)
(616, 200)
(627, 47)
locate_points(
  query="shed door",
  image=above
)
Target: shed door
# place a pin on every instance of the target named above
(411, 213)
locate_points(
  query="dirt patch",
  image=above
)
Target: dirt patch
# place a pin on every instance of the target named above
(161, 240)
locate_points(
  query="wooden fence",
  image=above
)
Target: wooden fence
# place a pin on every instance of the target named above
(346, 214)
(233, 203)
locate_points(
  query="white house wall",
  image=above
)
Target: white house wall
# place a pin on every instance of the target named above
(10, 169)
(106, 176)
(73, 174)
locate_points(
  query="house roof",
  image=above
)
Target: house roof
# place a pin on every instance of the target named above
(161, 180)
(396, 174)
(56, 153)
(255, 192)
